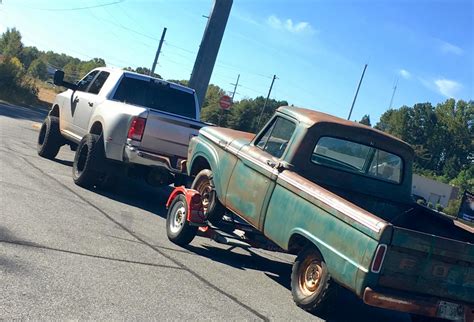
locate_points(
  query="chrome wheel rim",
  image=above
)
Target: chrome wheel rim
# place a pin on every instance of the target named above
(178, 218)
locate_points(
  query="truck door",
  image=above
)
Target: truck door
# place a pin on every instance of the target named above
(86, 98)
(253, 178)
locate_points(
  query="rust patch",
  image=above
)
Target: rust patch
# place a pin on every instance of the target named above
(398, 303)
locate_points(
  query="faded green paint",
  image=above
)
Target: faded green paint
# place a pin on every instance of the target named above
(288, 202)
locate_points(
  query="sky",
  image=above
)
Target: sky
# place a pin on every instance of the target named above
(317, 49)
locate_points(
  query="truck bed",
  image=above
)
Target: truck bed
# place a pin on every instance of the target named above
(428, 254)
(169, 134)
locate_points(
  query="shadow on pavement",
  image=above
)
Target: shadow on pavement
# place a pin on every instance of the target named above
(346, 307)
(137, 193)
(278, 271)
(63, 162)
(21, 112)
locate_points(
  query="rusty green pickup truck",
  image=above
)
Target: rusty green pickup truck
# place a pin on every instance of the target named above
(338, 195)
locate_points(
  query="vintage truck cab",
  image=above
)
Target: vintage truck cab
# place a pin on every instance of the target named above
(338, 195)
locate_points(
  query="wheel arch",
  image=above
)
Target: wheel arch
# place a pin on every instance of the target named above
(199, 163)
(298, 241)
(96, 128)
(54, 110)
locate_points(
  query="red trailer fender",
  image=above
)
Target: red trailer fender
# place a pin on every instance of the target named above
(195, 213)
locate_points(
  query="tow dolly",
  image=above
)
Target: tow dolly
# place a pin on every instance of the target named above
(186, 219)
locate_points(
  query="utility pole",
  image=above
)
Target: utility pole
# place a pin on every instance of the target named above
(393, 94)
(158, 52)
(235, 86)
(210, 43)
(357, 92)
(266, 100)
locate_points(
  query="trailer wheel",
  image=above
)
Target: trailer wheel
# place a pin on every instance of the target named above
(204, 184)
(178, 229)
(311, 285)
(49, 138)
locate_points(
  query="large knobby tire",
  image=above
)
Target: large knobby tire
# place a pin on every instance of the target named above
(178, 229)
(311, 285)
(49, 138)
(89, 161)
(212, 207)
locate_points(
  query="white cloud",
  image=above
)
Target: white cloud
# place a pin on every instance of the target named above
(288, 25)
(404, 73)
(447, 87)
(449, 48)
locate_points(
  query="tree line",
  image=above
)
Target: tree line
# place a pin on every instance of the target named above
(442, 136)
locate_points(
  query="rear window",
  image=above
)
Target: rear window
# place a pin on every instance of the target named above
(355, 157)
(156, 95)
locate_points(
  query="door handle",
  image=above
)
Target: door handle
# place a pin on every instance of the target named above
(76, 99)
(91, 104)
(271, 163)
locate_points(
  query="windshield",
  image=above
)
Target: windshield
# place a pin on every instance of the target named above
(156, 95)
(355, 157)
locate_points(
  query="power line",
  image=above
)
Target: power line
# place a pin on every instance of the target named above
(76, 8)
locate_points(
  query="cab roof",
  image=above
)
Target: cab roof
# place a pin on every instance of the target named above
(313, 118)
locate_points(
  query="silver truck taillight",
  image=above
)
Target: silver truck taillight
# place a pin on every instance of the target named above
(137, 128)
(378, 258)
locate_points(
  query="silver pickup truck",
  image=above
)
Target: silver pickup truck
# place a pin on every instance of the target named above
(115, 119)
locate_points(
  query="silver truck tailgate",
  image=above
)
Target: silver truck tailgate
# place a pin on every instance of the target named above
(168, 134)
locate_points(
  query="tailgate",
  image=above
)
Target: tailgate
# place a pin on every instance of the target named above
(168, 134)
(430, 265)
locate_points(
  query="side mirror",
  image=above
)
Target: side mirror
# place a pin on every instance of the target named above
(58, 78)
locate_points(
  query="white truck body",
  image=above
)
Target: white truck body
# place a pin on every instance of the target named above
(107, 100)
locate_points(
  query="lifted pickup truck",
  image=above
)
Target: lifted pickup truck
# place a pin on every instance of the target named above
(338, 195)
(115, 117)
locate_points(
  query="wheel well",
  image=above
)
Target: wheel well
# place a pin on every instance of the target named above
(96, 128)
(297, 243)
(54, 111)
(200, 163)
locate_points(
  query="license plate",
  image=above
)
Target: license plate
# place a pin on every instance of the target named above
(450, 311)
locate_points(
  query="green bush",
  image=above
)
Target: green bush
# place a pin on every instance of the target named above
(453, 207)
(15, 86)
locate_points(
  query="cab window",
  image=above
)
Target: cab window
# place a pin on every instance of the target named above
(84, 83)
(275, 140)
(350, 156)
(98, 83)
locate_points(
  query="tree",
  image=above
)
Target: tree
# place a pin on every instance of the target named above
(10, 43)
(211, 111)
(143, 71)
(365, 120)
(38, 69)
(441, 137)
(86, 67)
(28, 55)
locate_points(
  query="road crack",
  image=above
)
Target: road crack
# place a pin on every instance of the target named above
(28, 244)
(134, 235)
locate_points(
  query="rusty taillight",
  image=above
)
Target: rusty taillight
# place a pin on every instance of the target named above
(137, 128)
(378, 258)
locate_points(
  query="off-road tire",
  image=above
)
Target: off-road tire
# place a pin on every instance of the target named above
(49, 138)
(88, 162)
(322, 297)
(178, 229)
(204, 183)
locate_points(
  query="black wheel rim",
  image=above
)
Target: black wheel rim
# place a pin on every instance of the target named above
(81, 160)
(42, 134)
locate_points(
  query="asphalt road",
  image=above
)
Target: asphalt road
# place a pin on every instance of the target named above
(71, 253)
